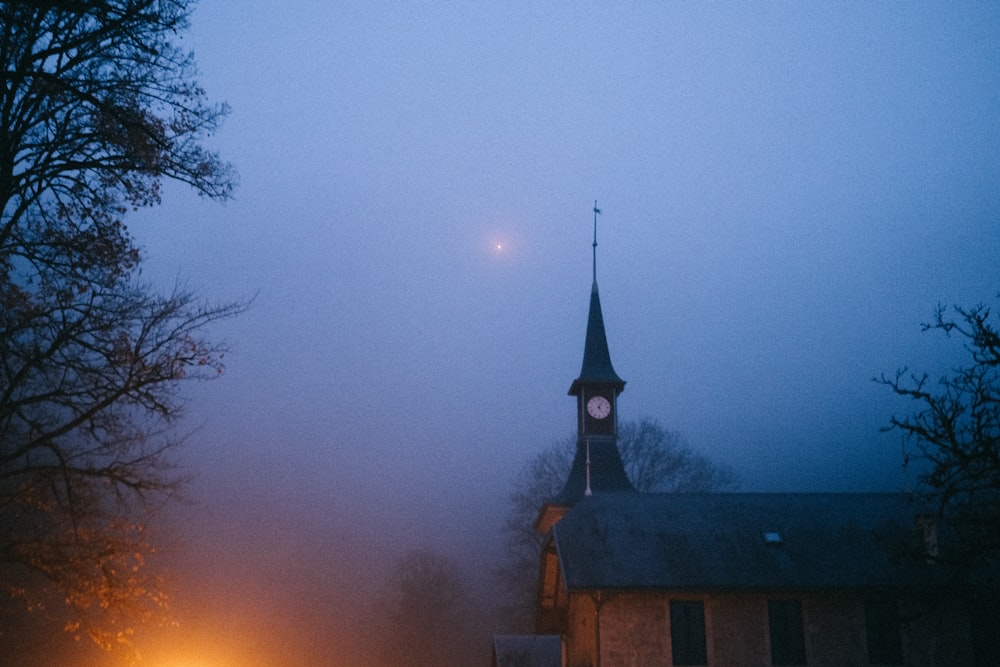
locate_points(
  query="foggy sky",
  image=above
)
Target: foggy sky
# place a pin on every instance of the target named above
(788, 190)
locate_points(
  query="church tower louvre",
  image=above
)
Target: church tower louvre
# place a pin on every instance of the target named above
(597, 466)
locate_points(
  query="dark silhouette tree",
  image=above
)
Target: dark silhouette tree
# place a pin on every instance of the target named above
(429, 614)
(952, 441)
(660, 461)
(656, 460)
(99, 106)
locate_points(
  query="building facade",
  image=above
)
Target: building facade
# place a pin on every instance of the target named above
(630, 579)
(751, 580)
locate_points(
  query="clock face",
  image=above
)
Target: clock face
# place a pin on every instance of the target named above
(598, 407)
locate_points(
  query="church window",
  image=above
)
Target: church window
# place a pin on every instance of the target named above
(788, 646)
(687, 632)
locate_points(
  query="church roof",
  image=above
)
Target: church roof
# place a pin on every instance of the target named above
(607, 473)
(738, 541)
(596, 358)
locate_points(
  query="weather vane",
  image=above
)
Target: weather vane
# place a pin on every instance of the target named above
(596, 211)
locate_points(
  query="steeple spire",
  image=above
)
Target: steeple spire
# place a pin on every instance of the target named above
(597, 466)
(596, 211)
(596, 358)
(596, 365)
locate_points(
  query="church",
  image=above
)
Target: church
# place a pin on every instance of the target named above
(629, 579)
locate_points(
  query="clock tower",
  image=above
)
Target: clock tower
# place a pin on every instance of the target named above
(597, 388)
(597, 466)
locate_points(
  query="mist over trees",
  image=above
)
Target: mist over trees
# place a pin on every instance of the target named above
(655, 459)
(99, 106)
(952, 440)
(429, 615)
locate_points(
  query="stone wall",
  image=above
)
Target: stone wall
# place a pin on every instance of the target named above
(633, 630)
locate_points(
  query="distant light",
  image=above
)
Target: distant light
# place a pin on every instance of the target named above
(773, 537)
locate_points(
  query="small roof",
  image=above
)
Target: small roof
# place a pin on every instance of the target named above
(527, 651)
(597, 366)
(607, 472)
(738, 541)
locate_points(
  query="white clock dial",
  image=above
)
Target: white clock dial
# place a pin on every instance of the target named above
(598, 407)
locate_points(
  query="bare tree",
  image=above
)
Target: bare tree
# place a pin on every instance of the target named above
(660, 461)
(953, 440)
(656, 460)
(98, 107)
(429, 614)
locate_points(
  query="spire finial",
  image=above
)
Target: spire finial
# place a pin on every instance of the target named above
(596, 211)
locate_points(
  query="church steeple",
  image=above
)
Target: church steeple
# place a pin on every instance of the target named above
(596, 358)
(597, 466)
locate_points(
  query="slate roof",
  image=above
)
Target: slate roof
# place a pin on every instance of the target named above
(527, 651)
(596, 358)
(607, 472)
(717, 542)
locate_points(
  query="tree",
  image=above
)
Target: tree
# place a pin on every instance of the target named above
(953, 439)
(656, 460)
(99, 106)
(428, 612)
(660, 461)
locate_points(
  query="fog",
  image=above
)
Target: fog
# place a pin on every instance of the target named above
(787, 192)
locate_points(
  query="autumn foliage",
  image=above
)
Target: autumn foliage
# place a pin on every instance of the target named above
(99, 106)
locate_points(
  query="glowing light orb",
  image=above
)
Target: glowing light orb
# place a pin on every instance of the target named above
(500, 246)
